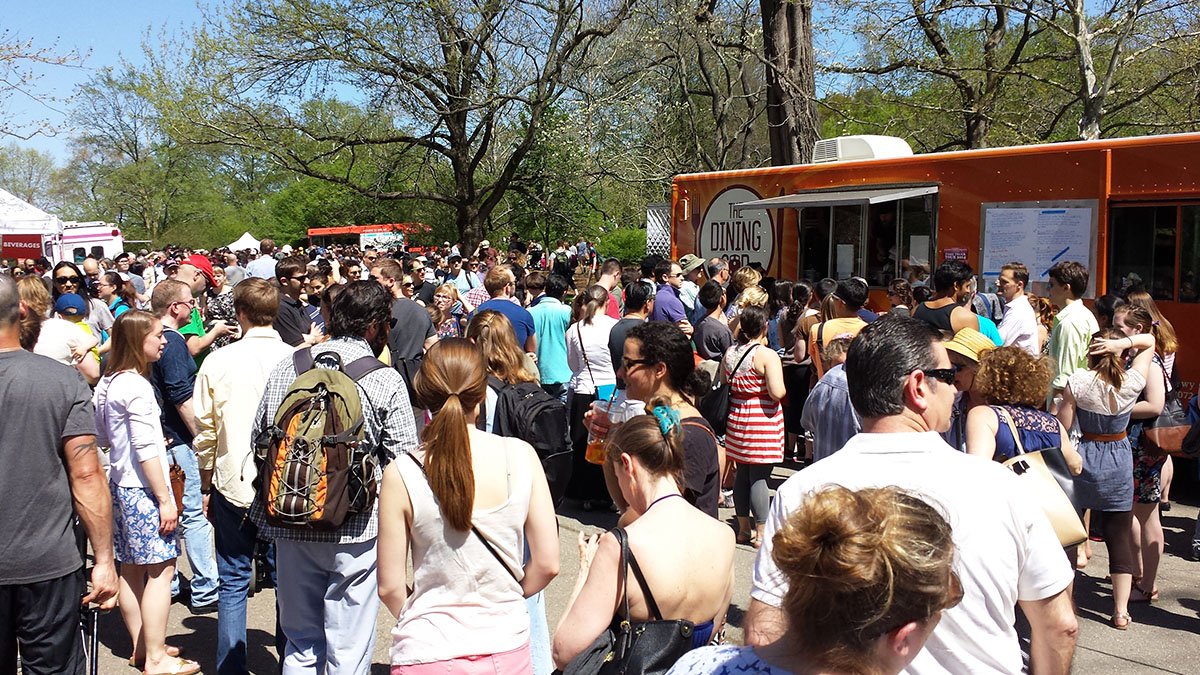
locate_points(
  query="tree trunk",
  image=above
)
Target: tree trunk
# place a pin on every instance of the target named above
(978, 126)
(791, 83)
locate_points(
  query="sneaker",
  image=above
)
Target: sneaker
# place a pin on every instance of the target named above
(210, 608)
(727, 499)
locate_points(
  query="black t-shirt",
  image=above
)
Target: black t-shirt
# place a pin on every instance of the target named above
(413, 326)
(292, 322)
(701, 465)
(425, 293)
(44, 402)
(616, 343)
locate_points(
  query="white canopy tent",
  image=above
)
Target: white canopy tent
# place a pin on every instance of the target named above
(18, 216)
(246, 241)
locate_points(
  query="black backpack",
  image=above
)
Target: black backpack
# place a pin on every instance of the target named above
(524, 410)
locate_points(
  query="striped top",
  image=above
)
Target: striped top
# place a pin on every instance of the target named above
(754, 433)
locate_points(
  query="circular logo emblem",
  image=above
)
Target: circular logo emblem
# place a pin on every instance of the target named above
(740, 236)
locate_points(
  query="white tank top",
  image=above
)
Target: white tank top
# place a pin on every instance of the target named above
(464, 603)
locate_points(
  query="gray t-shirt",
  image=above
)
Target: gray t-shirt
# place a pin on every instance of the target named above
(712, 338)
(43, 403)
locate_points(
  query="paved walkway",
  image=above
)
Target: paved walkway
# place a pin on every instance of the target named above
(1164, 637)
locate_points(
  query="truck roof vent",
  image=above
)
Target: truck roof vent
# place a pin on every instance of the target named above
(846, 148)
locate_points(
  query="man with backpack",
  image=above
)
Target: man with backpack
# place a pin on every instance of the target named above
(327, 591)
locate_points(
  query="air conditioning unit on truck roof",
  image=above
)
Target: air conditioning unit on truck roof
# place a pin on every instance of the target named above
(846, 148)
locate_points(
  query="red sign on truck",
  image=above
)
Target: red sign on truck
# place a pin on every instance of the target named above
(21, 246)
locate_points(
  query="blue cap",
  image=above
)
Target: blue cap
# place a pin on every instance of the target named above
(70, 304)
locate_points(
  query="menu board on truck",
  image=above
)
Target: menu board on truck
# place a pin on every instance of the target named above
(1040, 235)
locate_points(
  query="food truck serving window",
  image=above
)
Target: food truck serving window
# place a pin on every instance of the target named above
(1144, 242)
(876, 232)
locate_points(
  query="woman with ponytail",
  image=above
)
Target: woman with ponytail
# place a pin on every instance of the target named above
(869, 574)
(684, 555)
(466, 504)
(1101, 399)
(592, 373)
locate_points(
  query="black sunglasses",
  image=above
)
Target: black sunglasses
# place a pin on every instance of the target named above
(629, 363)
(943, 374)
(67, 280)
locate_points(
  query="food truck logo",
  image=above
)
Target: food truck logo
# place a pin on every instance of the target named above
(740, 236)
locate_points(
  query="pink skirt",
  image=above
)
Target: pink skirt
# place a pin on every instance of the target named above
(515, 662)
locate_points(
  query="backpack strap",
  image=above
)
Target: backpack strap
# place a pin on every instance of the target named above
(361, 367)
(302, 360)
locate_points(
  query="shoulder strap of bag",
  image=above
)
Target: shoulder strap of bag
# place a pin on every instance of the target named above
(820, 333)
(361, 367)
(302, 361)
(619, 533)
(744, 355)
(641, 579)
(484, 540)
(702, 427)
(1003, 414)
(583, 351)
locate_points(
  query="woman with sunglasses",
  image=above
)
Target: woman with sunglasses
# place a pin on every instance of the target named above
(67, 278)
(900, 296)
(1101, 399)
(869, 574)
(684, 557)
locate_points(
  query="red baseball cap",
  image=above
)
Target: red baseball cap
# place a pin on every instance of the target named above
(204, 265)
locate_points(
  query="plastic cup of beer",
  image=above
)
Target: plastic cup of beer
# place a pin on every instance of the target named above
(596, 450)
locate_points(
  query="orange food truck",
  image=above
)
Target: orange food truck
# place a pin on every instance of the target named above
(1128, 209)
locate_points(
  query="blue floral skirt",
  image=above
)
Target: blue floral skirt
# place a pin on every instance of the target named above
(136, 540)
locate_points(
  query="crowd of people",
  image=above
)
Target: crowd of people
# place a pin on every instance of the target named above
(902, 544)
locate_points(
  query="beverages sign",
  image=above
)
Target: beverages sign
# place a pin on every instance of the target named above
(21, 246)
(740, 236)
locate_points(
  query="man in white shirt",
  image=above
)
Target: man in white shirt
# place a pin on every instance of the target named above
(1019, 326)
(901, 382)
(263, 267)
(228, 389)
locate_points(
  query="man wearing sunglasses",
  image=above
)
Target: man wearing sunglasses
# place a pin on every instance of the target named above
(293, 322)
(1006, 553)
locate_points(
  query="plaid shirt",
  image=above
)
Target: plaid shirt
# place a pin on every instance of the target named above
(389, 428)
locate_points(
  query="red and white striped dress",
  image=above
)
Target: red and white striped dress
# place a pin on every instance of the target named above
(754, 433)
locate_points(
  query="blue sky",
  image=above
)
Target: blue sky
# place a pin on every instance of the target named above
(112, 29)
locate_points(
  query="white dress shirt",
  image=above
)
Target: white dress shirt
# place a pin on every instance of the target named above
(229, 387)
(1019, 326)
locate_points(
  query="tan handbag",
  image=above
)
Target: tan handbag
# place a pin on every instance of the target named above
(178, 478)
(1031, 467)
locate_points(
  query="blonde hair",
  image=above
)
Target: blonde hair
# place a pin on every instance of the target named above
(752, 296)
(1012, 376)
(494, 334)
(743, 278)
(1165, 338)
(451, 381)
(860, 564)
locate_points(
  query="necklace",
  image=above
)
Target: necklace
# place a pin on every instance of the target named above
(676, 494)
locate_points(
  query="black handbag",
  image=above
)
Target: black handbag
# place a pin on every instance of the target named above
(1164, 435)
(714, 407)
(627, 648)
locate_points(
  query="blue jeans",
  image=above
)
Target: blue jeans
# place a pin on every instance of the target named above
(234, 534)
(197, 531)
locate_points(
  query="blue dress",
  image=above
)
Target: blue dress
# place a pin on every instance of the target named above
(1038, 430)
(1106, 483)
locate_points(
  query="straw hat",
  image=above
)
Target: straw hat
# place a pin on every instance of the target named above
(970, 343)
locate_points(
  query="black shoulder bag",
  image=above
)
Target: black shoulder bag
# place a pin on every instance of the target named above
(714, 407)
(627, 648)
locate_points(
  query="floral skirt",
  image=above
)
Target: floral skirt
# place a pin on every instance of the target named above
(136, 540)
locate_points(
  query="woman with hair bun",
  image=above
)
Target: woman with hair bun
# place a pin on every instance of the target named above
(686, 556)
(1014, 383)
(465, 504)
(869, 574)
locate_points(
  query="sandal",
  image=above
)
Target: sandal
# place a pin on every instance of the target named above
(748, 539)
(140, 664)
(1146, 597)
(182, 667)
(1121, 621)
